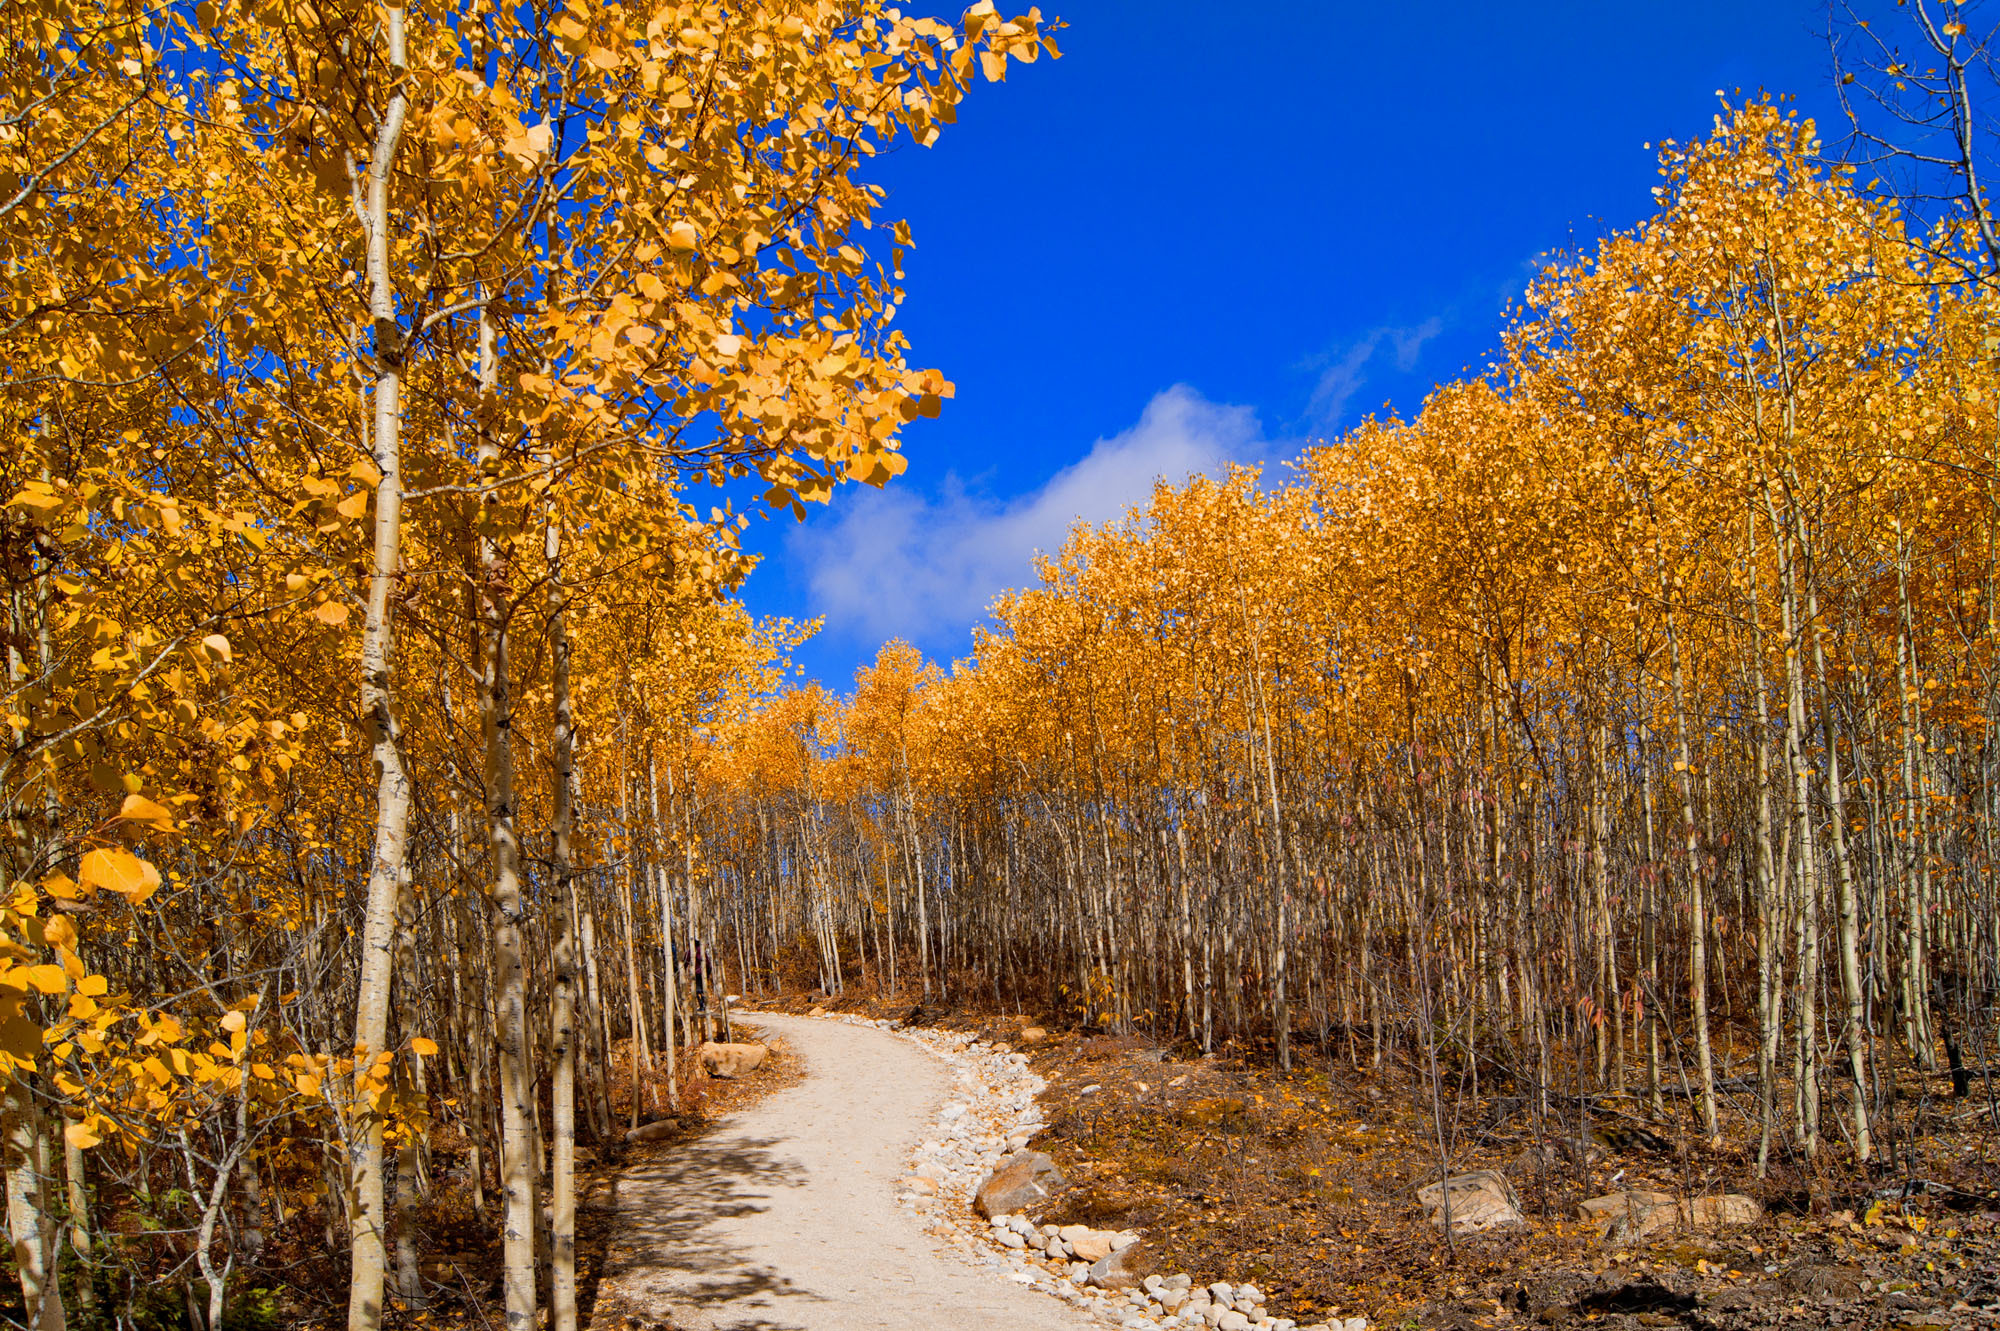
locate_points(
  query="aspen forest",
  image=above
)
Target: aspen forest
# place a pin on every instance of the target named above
(366, 369)
(1621, 720)
(397, 788)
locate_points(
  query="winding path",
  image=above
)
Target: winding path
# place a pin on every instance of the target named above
(782, 1217)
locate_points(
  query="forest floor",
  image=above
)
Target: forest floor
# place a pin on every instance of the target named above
(1304, 1185)
(461, 1248)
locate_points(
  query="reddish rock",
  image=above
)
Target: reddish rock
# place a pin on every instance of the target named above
(1482, 1199)
(729, 1061)
(1124, 1268)
(1020, 1185)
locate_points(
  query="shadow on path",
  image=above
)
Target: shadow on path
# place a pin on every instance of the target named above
(669, 1245)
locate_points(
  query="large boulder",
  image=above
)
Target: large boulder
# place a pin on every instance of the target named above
(729, 1061)
(1123, 1268)
(1481, 1199)
(1724, 1210)
(1021, 1184)
(656, 1131)
(1635, 1213)
(1623, 1217)
(1089, 1245)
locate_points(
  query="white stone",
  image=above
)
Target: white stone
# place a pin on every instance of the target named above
(1009, 1239)
(1232, 1321)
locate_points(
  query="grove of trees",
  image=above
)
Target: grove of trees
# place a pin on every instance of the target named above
(362, 369)
(1625, 721)
(393, 788)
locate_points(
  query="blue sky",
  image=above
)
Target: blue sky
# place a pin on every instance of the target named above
(1216, 232)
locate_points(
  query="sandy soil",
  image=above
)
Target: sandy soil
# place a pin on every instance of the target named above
(782, 1217)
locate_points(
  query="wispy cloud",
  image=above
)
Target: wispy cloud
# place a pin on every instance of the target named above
(898, 564)
(1341, 380)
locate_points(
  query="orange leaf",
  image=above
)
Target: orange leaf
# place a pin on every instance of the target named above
(139, 809)
(121, 872)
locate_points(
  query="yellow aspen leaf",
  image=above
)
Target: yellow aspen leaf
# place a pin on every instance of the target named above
(20, 1036)
(121, 872)
(139, 809)
(46, 979)
(353, 506)
(81, 1135)
(217, 646)
(94, 986)
(331, 613)
(424, 1047)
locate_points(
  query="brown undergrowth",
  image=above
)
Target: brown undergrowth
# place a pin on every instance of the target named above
(460, 1239)
(1304, 1184)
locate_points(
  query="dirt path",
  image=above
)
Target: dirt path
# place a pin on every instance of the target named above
(782, 1217)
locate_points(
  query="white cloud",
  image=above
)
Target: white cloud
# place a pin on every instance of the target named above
(1340, 381)
(898, 564)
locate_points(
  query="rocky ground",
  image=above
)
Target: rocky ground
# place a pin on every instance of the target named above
(1211, 1192)
(974, 1175)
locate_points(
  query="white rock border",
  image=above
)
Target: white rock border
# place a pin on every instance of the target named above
(990, 1111)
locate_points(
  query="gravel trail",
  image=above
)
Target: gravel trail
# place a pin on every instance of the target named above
(783, 1217)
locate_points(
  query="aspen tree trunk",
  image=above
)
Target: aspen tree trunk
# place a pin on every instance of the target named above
(1770, 981)
(1611, 1041)
(1649, 961)
(1281, 1012)
(562, 1188)
(1917, 887)
(29, 1221)
(409, 1283)
(74, 1174)
(1805, 1041)
(496, 707)
(598, 1021)
(1697, 890)
(1845, 900)
(923, 902)
(22, 1143)
(366, 1225)
(641, 1055)
(664, 886)
(672, 987)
